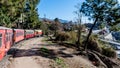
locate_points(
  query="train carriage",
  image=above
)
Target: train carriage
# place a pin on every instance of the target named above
(5, 40)
(9, 39)
(9, 36)
(38, 33)
(29, 34)
(18, 35)
(2, 43)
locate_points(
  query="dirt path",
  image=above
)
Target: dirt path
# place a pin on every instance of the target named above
(23, 61)
(35, 54)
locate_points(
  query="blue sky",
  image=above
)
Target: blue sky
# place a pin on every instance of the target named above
(63, 9)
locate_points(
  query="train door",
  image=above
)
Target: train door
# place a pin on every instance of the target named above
(2, 44)
(8, 39)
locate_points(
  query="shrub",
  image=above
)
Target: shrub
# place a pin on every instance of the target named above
(93, 44)
(109, 52)
(73, 36)
(101, 47)
(62, 36)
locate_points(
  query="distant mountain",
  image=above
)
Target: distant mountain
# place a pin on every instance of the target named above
(61, 20)
(45, 19)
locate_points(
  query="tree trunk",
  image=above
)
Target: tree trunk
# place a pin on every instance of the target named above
(55, 32)
(79, 37)
(90, 32)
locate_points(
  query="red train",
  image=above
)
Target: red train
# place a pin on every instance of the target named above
(29, 34)
(10, 36)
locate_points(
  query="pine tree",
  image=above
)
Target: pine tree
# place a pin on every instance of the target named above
(100, 10)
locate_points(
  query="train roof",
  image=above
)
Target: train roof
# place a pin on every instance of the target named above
(2, 27)
(29, 29)
(18, 29)
(38, 30)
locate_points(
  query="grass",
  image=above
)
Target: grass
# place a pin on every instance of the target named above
(46, 39)
(44, 51)
(60, 63)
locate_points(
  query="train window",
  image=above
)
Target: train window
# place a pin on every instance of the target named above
(0, 39)
(19, 34)
(11, 36)
(7, 37)
(29, 32)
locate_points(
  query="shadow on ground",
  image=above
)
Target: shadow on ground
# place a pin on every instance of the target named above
(68, 45)
(44, 52)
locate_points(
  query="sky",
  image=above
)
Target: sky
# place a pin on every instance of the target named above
(62, 9)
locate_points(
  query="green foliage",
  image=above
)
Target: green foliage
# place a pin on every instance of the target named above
(44, 39)
(102, 47)
(52, 26)
(31, 15)
(47, 39)
(44, 51)
(19, 13)
(104, 10)
(44, 28)
(115, 28)
(60, 63)
(47, 28)
(62, 36)
(93, 44)
(108, 51)
(57, 24)
(94, 37)
(100, 11)
(56, 20)
(102, 25)
(73, 36)
(9, 11)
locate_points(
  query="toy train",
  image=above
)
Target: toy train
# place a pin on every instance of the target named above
(10, 36)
